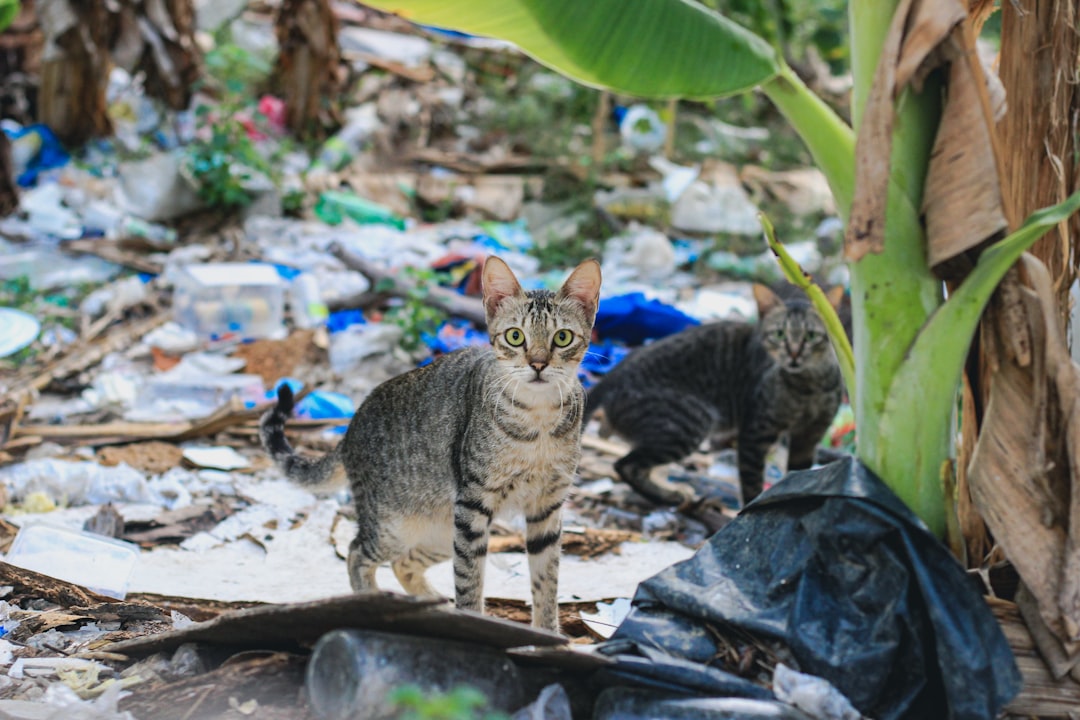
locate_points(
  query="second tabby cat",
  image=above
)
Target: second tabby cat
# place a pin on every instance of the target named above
(433, 455)
(758, 380)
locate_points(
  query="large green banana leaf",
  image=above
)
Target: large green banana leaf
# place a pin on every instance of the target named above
(648, 48)
(8, 10)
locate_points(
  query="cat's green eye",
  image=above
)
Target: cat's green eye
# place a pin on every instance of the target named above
(563, 338)
(812, 335)
(778, 333)
(515, 337)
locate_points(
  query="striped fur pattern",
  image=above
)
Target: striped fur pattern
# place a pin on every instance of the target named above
(434, 455)
(755, 380)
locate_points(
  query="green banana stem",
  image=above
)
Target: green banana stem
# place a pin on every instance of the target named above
(801, 279)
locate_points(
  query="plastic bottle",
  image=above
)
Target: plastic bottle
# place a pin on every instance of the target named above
(308, 308)
(137, 227)
(353, 673)
(339, 150)
(332, 207)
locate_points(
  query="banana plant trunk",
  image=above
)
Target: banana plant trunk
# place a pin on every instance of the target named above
(308, 69)
(1040, 51)
(893, 292)
(74, 69)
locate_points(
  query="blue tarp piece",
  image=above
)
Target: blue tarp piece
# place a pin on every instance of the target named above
(338, 321)
(634, 319)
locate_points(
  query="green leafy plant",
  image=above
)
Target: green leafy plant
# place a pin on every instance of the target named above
(461, 703)
(904, 336)
(224, 163)
(224, 160)
(9, 10)
(415, 316)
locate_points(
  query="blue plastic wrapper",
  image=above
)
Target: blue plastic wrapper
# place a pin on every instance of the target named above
(456, 334)
(501, 236)
(338, 321)
(634, 319)
(285, 272)
(49, 156)
(833, 564)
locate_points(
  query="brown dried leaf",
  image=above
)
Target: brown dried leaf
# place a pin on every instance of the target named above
(917, 29)
(962, 200)
(1025, 470)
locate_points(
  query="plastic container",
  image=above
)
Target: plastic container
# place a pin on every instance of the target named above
(230, 300)
(306, 303)
(100, 564)
(352, 673)
(210, 392)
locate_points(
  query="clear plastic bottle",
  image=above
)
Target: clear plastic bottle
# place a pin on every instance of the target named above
(353, 673)
(308, 309)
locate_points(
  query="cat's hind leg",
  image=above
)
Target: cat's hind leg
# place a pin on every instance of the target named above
(372, 546)
(667, 432)
(635, 469)
(410, 568)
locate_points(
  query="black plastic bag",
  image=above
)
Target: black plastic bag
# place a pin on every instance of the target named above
(834, 565)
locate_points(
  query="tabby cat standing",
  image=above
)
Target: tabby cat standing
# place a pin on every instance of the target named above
(758, 380)
(433, 455)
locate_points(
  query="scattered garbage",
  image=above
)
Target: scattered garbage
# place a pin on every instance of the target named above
(813, 695)
(229, 300)
(354, 673)
(642, 129)
(356, 342)
(60, 482)
(608, 617)
(219, 458)
(145, 324)
(333, 207)
(34, 150)
(17, 330)
(305, 299)
(102, 565)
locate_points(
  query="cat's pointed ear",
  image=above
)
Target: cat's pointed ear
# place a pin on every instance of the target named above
(766, 299)
(498, 283)
(583, 285)
(835, 296)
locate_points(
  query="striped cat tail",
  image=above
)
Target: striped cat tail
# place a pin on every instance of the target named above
(298, 469)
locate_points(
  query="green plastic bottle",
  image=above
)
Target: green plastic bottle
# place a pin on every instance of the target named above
(334, 206)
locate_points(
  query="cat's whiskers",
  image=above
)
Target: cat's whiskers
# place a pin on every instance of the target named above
(498, 389)
(559, 387)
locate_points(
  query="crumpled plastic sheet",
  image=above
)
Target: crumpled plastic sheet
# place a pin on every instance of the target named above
(834, 565)
(634, 319)
(62, 703)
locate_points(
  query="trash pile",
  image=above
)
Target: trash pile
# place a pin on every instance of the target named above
(158, 285)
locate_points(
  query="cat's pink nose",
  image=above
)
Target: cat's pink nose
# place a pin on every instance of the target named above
(538, 366)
